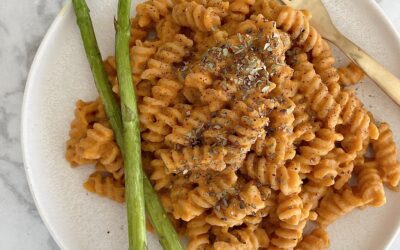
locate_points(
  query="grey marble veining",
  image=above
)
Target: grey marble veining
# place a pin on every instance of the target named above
(22, 27)
(23, 24)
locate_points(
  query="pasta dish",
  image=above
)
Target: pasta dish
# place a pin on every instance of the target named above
(249, 132)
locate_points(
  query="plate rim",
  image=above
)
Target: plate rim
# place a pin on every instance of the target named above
(30, 81)
(395, 233)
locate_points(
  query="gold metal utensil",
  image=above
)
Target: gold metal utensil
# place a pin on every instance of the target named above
(321, 20)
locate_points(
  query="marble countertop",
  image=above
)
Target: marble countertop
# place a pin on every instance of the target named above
(23, 24)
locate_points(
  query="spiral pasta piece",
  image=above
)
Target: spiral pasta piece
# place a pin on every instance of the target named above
(258, 168)
(99, 145)
(198, 80)
(335, 205)
(310, 155)
(250, 202)
(197, 158)
(287, 19)
(311, 193)
(155, 129)
(351, 74)
(111, 160)
(356, 122)
(217, 6)
(317, 94)
(197, 230)
(252, 239)
(240, 8)
(344, 166)
(256, 219)
(166, 90)
(157, 116)
(160, 66)
(152, 11)
(278, 177)
(340, 156)
(140, 55)
(215, 97)
(173, 52)
(137, 32)
(316, 240)
(265, 146)
(91, 147)
(157, 69)
(225, 239)
(370, 185)
(323, 64)
(345, 171)
(283, 150)
(386, 156)
(303, 129)
(244, 238)
(296, 23)
(159, 175)
(325, 172)
(204, 40)
(287, 88)
(289, 180)
(237, 129)
(287, 236)
(166, 29)
(165, 199)
(250, 124)
(203, 196)
(282, 119)
(195, 16)
(189, 132)
(200, 87)
(350, 104)
(290, 208)
(181, 185)
(103, 184)
(85, 114)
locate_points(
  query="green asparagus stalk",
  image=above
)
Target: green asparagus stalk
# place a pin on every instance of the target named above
(168, 237)
(155, 211)
(131, 132)
(97, 67)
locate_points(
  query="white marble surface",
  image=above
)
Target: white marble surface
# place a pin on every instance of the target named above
(23, 24)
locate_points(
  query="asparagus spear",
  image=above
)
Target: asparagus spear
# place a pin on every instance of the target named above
(131, 132)
(168, 237)
(97, 67)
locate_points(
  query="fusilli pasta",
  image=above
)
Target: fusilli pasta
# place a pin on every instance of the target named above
(335, 205)
(386, 156)
(103, 184)
(316, 240)
(248, 130)
(351, 74)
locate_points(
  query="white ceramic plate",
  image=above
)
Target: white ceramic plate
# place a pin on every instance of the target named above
(60, 75)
